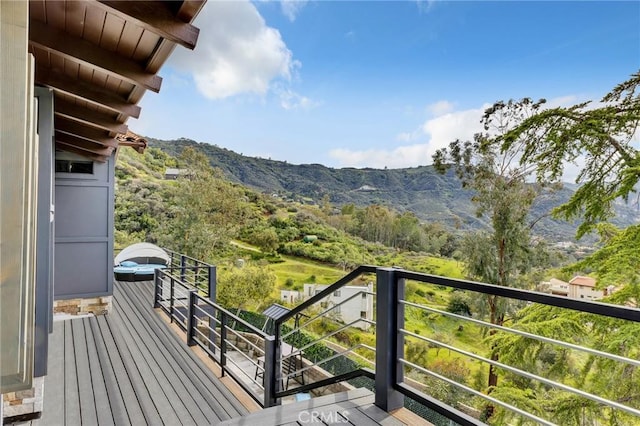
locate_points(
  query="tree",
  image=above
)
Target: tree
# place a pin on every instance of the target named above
(249, 286)
(601, 136)
(503, 196)
(205, 211)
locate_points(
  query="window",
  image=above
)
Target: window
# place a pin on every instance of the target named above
(74, 166)
(364, 295)
(337, 309)
(336, 293)
(363, 314)
(324, 305)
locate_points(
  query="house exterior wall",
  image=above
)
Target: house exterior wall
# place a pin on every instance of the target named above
(360, 306)
(584, 292)
(84, 231)
(18, 200)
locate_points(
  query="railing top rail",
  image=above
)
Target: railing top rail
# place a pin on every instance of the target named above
(362, 269)
(233, 316)
(199, 262)
(179, 268)
(176, 280)
(614, 311)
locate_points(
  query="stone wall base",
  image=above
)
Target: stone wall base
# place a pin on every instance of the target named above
(94, 305)
(23, 405)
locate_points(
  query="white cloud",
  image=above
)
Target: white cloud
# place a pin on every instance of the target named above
(291, 8)
(439, 131)
(453, 125)
(440, 108)
(236, 52)
(292, 100)
(402, 156)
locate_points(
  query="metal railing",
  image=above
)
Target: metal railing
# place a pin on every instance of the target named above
(208, 325)
(395, 374)
(391, 363)
(348, 359)
(194, 272)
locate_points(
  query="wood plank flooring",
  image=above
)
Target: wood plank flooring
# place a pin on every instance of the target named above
(129, 368)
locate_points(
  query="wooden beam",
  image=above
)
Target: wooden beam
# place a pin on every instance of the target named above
(156, 17)
(97, 119)
(85, 52)
(99, 137)
(86, 91)
(189, 9)
(82, 144)
(70, 148)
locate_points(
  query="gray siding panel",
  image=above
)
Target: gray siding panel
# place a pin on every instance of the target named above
(84, 232)
(81, 211)
(78, 269)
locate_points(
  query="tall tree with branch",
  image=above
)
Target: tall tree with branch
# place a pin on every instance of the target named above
(503, 196)
(603, 137)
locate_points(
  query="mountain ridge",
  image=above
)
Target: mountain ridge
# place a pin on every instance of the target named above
(432, 197)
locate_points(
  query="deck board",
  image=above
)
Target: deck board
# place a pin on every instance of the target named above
(130, 368)
(104, 408)
(54, 404)
(352, 407)
(198, 374)
(85, 388)
(71, 396)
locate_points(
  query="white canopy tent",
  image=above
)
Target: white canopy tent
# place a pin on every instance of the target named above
(143, 253)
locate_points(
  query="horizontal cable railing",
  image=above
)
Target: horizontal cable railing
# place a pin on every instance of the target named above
(316, 336)
(193, 272)
(329, 314)
(531, 299)
(208, 325)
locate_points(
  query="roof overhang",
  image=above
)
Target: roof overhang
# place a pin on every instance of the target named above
(99, 58)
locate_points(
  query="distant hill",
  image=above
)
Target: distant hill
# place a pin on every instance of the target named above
(421, 190)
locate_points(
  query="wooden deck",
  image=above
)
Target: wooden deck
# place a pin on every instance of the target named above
(130, 368)
(348, 408)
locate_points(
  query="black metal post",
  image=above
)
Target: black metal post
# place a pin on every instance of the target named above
(171, 298)
(212, 281)
(270, 372)
(389, 346)
(191, 323)
(183, 271)
(212, 284)
(223, 341)
(157, 291)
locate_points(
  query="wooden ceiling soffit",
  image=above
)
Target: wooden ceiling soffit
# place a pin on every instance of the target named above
(189, 9)
(156, 17)
(97, 119)
(85, 52)
(86, 91)
(97, 136)
(82, 144)
(70, 148)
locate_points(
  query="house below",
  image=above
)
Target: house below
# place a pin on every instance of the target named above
(351, 304)
(173, 174)
(579, 287)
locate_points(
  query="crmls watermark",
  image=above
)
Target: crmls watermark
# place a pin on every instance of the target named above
(322, 417)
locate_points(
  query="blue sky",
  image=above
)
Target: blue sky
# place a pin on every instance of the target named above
(380, 84)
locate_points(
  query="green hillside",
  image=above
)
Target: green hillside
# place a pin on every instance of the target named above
(430, 196)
